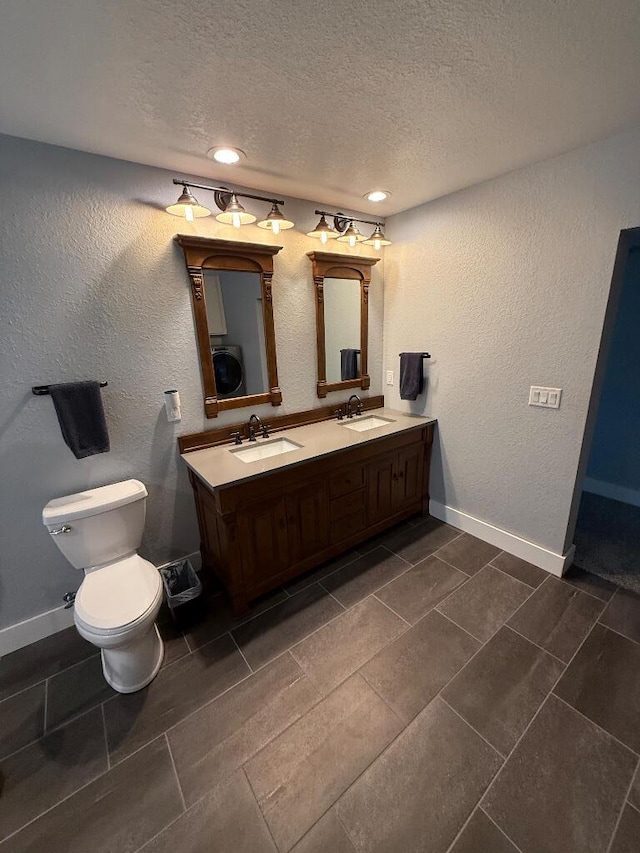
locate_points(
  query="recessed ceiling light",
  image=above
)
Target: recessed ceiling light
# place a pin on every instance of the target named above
(377, 195)
(225, 155)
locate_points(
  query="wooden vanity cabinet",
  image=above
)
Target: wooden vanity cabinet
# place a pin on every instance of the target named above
(258, 534)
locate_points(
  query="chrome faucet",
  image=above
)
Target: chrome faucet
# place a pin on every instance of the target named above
(358, 407)
(263, 428)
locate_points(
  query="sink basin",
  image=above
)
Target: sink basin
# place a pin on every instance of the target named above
(362, 424)
(265, 449)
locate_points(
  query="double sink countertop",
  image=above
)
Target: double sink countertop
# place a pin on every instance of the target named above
(224, 464)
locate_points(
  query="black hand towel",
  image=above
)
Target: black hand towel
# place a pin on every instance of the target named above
(411, 380)
(349, 364)
(81, 417)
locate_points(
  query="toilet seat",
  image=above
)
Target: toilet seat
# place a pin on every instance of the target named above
(115, 598)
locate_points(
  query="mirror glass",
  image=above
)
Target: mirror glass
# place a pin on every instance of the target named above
(236, 332)
(342, 329)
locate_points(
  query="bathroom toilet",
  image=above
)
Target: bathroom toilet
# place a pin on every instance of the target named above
(100, 530)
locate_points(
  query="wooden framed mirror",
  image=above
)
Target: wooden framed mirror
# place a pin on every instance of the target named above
(342, 320)
(233, 312)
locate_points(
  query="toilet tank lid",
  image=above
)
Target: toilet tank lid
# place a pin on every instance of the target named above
(93, 501)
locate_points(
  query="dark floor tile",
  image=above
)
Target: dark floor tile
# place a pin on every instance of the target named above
(603, 683)
(416, 542)
(175, 645)
(364, 576)
(599, 587)
(327, 836)
(502, 687)
(52, 768)
(336, 651)
(419, 793)
(227, 820)
(417, 591)
(409, 672)
(382, 538)
(136, 718)
(485, 602)
(301, 773)
(269, 635)
(21, 719)
(627, 837)
(119, 811)
(520, 569)
(322, 571)
(557, 617)
(468, 553)
(481, 835)
(634, 793)
(220, 618)
(563, 786)
(218, 739)
(76, 690)
(622, 614)
(37, 661)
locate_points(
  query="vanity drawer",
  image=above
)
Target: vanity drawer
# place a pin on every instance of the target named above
(346, 480)
(347, 526)
(347, 504)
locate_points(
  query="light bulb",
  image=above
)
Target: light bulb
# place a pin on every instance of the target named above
(376, 245)
(188, 213)
(275, 226)
(324, 237)
(352, 241)
(235, 220)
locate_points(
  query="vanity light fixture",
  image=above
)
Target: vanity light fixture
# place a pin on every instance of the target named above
(232, 212)
(187, 206)
(323, 230)
(345, 230)
(275, 220)
(377, 195)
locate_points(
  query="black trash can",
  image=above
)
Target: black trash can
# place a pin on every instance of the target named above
(183, 593)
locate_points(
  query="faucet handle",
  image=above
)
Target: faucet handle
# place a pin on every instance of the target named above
(237, 437)
(359, 409)
(265, 430)
(339, 413)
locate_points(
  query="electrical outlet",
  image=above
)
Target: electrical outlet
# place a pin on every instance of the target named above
(548, 398)
(389, 377)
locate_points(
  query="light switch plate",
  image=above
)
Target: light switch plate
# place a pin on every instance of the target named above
(389, 377)
(548, 398)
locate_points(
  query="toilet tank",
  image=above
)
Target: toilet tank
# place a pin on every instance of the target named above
(99, 525)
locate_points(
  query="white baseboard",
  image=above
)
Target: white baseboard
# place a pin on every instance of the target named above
(555, 564)
(45, 624)
(612, 491)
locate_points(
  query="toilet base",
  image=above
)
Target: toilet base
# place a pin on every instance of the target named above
(131, 667)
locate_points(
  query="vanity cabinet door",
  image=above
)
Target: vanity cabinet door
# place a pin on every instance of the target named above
(409, 482)
(264, 545)
(381, 497)
(308, 520)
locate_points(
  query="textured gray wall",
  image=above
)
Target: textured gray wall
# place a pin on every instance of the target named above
(94, 287)
(506, 284)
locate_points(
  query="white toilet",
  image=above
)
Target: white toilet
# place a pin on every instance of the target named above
(116, 606)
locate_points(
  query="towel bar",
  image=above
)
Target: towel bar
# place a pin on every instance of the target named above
(40, 390)
(424, 355)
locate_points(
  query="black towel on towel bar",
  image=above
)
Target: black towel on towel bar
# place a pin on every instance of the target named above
(81, 417)
(411, 379)
(349, 364)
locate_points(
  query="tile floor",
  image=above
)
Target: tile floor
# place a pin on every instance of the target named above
(424, 693)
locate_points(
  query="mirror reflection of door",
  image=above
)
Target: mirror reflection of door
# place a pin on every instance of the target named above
(342, 328)
(236, 332)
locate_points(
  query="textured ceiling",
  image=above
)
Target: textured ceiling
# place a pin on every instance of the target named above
(329, 99)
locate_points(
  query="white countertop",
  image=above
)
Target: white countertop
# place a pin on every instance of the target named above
(219, 466)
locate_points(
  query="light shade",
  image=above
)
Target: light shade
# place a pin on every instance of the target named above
(235, 214)
(351, 235)
(275, 221)
(188, 207)
(377, 239)
(323, 231)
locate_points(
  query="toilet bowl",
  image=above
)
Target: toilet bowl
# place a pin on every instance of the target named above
(100, 530)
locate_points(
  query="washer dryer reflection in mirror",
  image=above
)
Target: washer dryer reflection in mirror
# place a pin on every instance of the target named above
(228, 367)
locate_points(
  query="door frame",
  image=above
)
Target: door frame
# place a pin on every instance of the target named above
(629, 239)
